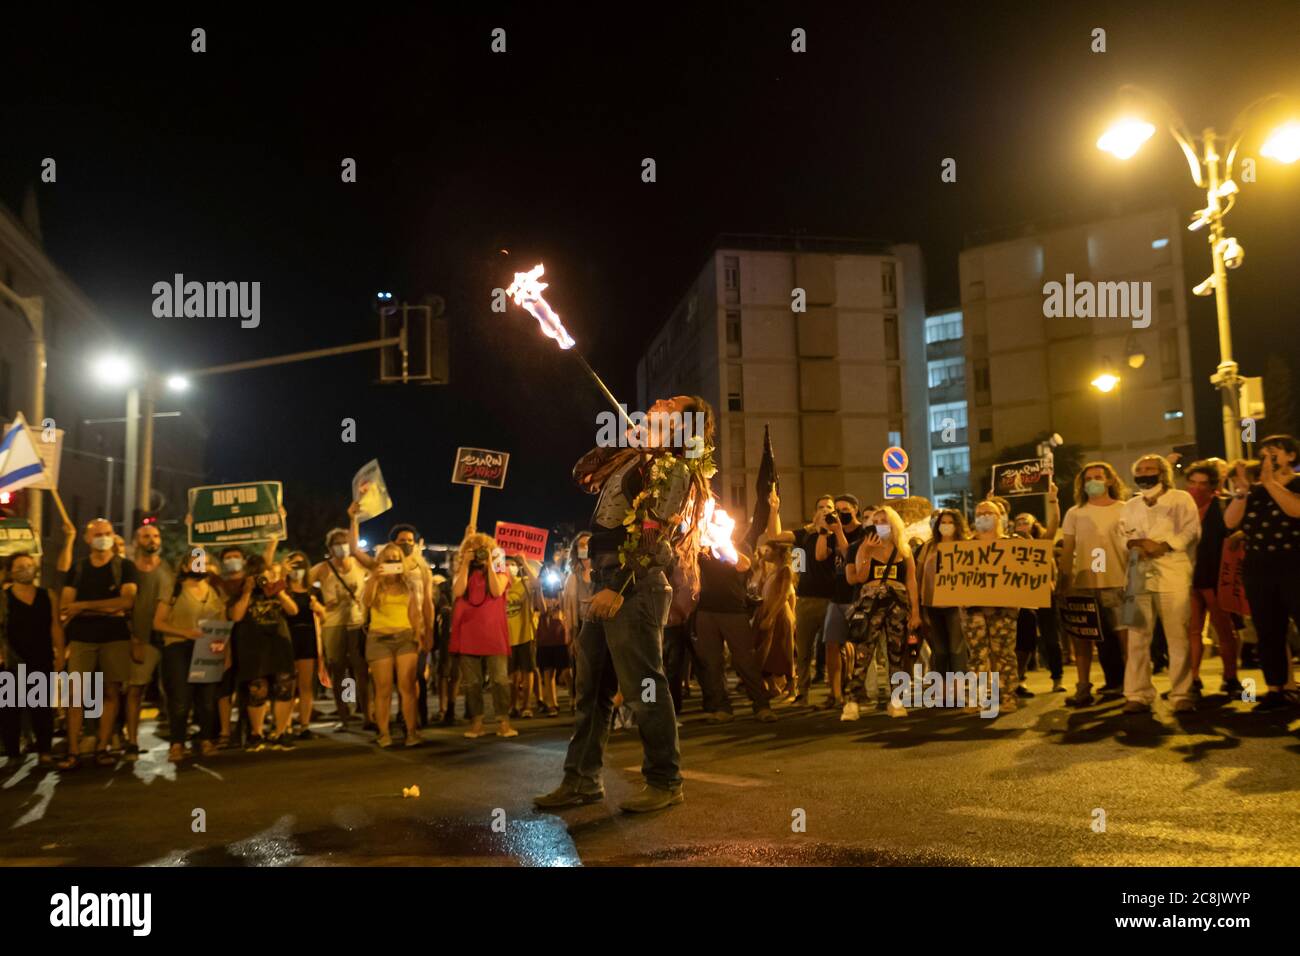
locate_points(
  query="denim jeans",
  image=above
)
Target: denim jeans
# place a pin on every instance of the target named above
(624, 652)
(182, 695)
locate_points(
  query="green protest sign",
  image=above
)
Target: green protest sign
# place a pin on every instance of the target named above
(16, 535)
(236, 514)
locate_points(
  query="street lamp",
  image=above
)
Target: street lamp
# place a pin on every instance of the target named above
(1213, 173)
(1105, 382)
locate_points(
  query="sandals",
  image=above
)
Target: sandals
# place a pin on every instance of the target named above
(104, 759)
(176, 753)
(510, 732)
(70, 762)
(475, 734)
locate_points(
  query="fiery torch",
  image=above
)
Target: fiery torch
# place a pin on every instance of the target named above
(716, 529)
(526, 290)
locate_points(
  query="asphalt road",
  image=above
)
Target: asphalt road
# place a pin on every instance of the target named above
(1218, 787)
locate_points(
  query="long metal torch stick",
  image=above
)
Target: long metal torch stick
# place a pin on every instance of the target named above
(601, 385)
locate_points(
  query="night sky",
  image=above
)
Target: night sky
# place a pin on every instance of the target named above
(224, 166)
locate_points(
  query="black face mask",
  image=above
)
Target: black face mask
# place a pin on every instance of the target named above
(846, 517)
(1146, 481)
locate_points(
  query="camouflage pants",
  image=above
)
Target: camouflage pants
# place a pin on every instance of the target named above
(991, 641)
(874, 622)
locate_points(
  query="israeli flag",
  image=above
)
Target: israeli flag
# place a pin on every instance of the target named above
(20, 465)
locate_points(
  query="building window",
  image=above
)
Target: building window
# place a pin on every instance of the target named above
(888, 283)
(986, 436)
(1173, 415)
(731, 278)
(946, 415)
(735, 389)
(949, 462)
(733, 334)
(896, 439)
(982, 377)
(891, 337)
(738, 497)
(738, 444)
(950, 371)
(943, 328)
(1169, 364)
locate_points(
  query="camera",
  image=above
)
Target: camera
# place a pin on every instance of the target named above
(481, 556)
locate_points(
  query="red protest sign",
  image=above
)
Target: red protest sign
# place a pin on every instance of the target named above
(1232, 587)
(522, 539)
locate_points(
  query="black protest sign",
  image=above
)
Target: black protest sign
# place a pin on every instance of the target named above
(1081, 617)
(480, 466)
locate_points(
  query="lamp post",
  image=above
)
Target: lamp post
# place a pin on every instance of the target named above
(1212, 172)
(33, 310)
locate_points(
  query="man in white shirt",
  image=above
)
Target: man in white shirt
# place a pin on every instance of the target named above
(1161, 526)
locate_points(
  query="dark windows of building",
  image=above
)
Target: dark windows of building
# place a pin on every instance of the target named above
(734, 345)
(737, 431)
(889, 284)
(894, 376)
(731, 278)
(891, 337)
(986, 435)
(735, 388)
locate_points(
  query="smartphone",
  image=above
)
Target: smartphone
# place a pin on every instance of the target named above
(394, 567)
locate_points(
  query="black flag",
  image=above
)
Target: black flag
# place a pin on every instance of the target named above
(766, 479)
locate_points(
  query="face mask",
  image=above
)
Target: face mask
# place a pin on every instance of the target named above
(193, 575)
(883, 531)
(1201, 495)
(233, 565)
(1094, 488)
(297, 573)
(1146, 481)
(340, 550)
(103, 542)
(986, 522)
(25, 576)
(947, 530)
(407, 547)
(846, 517)
(582, 554)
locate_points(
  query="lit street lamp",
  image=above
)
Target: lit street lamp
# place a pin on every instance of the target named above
(1213, 173)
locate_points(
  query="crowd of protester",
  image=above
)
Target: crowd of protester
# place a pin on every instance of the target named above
(842, 602)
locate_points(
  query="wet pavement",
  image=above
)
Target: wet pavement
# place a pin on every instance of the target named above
(1042, 786)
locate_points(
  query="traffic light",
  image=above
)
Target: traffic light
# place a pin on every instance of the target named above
(421, 358)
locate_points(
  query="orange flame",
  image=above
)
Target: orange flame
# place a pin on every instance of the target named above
(716, 529)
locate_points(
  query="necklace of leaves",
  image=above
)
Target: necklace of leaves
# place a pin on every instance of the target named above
(662, 468)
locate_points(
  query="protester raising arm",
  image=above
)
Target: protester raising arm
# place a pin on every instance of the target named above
(773, 534)
(354, 538)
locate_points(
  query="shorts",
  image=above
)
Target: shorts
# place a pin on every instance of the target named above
(304, 643)
(142, 674)
(523, 657)
(1110, 602)
(340, 641)
(388, 647)
(113, 658)
(553, 657)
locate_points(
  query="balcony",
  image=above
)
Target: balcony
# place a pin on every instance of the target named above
(944, 348)
(950, 484)
(952, 390)
(937, 439)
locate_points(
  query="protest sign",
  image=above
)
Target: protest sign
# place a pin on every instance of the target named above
(236, 514)
(479, 466)
(16, 535)
(370, 491)
(522, 539)
(207, 665)
(1007, 572)
(1030, 476)
(1080, 617)
(1232, 587)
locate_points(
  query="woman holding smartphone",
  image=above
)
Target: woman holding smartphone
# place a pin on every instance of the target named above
(176, 618)
(391, 643)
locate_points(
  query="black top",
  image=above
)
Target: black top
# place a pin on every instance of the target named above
(722, 587)
(99, 584)
(1269, 530)
(893, 571)
(27, 630)
(303, 618)
(1209, 550)
(845, 593)
(818, 577)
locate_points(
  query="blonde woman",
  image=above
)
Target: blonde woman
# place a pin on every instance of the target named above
(991, 631)
(391, 642)
(888, 609)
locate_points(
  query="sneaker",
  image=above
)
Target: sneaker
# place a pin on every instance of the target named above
(1058, 687)
(895, 710)
(1273, 700)
(566, 795)
(1232, 688)
(719, 717)
(850, 711)
(651, 799)
(526, 714)
(254, 744)
(1082, 697)
(765, 715)
(1023, 691)
(280, 742)
(305, 734)
(1136, 707)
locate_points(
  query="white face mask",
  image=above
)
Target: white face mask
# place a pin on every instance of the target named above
(102, 542)
(297, 573)
(582, 554)
(883, 531)
(947, 530)
(986, 522)
(340, 550)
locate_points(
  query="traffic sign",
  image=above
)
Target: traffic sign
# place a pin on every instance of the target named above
(896, 487)
(895, 460)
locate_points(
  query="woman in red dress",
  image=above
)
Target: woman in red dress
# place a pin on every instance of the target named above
(479, 635)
